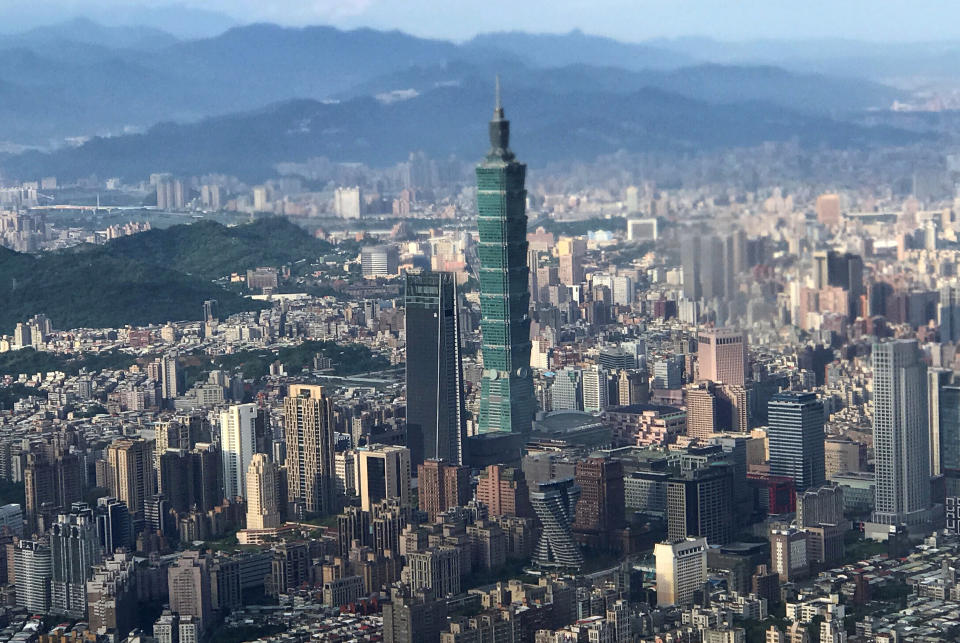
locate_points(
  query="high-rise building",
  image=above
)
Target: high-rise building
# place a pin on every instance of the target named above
(602, 503)
(75, 549)
(507, 402)
(566, 392)
(700, 503)
(595, 389)
(170, 194)
(308, 422)
(946, 450)
(207, 476)
(555, 505)
(188, 583)
(681, 570)
(949, 313)
(171, 378)
(348, 202)
(237, 438)
(702, 403)
(436, 416)
(690, 257)
(263, 505)
(788, 554)
(211, 310)
(842, 456)
(413, 616)
(11, 519)
(33, 567)
(632, 388)
(668, 372)
(504, 491)
(823, 505)
(844, 271)
(828, 209)
(796, 438)
(53, 480)
(642, 230)
(722, 356)
(379, 261)
(900, 435)
(130, 463)
(441, 486)
(114, 526)
(112, 595)
(383, 472)
(437, 569)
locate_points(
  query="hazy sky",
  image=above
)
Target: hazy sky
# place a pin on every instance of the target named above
(632, 20)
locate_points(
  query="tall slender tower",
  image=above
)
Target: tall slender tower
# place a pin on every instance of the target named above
(308, 419)
(506, 393)
(435, 406)
(900, 435)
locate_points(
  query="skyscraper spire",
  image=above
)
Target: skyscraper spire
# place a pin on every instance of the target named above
(499, 132)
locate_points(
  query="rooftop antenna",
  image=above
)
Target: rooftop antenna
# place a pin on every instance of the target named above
(498, 108)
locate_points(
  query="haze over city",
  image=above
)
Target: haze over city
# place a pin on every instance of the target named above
(519, 322)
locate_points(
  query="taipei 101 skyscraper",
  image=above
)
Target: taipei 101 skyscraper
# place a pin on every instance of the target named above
(507, 403)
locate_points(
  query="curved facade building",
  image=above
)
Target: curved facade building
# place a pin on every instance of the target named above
(555, 504)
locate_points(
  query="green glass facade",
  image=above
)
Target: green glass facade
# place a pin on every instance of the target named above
(507, 403)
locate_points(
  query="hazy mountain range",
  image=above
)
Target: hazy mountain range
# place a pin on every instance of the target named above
(293, 93)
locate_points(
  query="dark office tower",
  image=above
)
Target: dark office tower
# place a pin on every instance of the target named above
(208, 476)
(842, 271)
(114, 527)
(937, 380)
(507, 403)
(75, 550)
(210, 310)
(691, 262)
(555, 505)
(601, 505)
(700, 503)
(176, 479)
(711, 268)
(949, 313)
(796, 438)
(435, 407)
(263, 433)
(948, 447)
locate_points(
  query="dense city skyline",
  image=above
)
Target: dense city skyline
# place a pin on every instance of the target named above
(671, 355)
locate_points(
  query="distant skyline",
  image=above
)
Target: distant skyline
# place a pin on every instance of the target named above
(628, 20)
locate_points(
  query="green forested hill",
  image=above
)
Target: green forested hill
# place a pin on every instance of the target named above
(93, 287)
(211, 250)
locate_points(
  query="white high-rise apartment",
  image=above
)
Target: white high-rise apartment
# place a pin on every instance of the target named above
(595, 392)
(237, 439)
(681, 570)
(900, 437)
